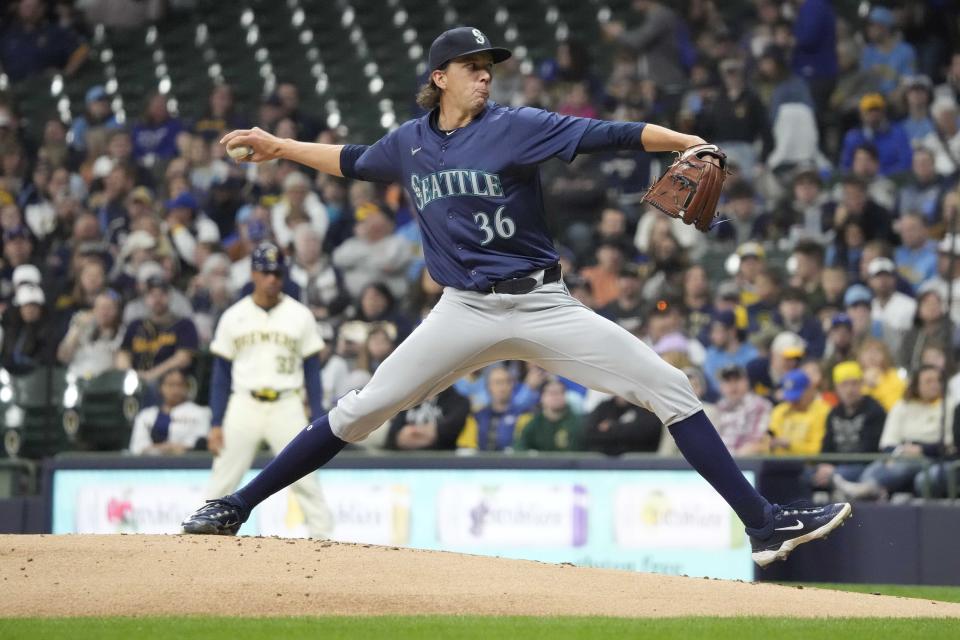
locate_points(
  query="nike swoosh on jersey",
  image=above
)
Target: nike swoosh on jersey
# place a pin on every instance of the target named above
(413, 152)
(795, 527)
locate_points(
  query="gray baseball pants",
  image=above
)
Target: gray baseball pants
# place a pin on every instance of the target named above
(467, 330)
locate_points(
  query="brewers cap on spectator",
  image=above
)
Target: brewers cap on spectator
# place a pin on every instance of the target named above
(138, 240)
(630, 270)
(857, 294)
(149, 269)
(932, 286)
(295, 180)
(267, 258)
(795, 383)
(943, 105)
(882, 16)
(95, 93)
(463, 41)
(729, 291)
(353, 331)
(18, 232)
(28, 294)
(751, 250)
(881, 265)
(185, 200)
(141, 194)
(730, 64)
(158, 282)
(732, 371)
(917, 81)
(789, 345)
(871, 101)
(367, 209)
(26, 274)
(849, 370)
(727, 318)
(841, 320)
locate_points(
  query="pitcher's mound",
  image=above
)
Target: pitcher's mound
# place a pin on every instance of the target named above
(140, 575)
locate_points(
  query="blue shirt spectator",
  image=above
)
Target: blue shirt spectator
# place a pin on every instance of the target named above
(523, 395)
(97, 115)
(916, 258)
(886, 54)
(155, 138)
(889, 138)
(497, 423)
(922, 192)
(726, 347)
(918, 93)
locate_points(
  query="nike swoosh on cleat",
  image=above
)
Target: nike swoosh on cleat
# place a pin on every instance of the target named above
(795, 527)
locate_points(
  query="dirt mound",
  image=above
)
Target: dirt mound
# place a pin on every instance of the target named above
(172, 575)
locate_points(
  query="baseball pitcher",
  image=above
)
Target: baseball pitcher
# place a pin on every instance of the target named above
(470, 167)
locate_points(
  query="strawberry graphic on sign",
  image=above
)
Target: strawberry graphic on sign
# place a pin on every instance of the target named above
(118, 510)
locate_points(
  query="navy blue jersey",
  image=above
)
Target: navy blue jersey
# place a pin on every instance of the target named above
(477, 189)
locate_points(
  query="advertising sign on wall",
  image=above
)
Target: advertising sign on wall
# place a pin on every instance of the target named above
(659, 521)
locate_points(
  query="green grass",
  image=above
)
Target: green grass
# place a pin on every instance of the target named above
(467, 628)
(945, 594)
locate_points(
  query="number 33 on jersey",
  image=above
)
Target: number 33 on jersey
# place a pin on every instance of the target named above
(267, 348)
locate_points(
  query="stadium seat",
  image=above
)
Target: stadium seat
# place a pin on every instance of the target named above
(104, 415)
(30, 413)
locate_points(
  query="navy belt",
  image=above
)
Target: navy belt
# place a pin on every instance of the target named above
(526, 284)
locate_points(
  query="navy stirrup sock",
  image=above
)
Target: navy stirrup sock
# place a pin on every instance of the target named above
(700, 444)
(313, 447)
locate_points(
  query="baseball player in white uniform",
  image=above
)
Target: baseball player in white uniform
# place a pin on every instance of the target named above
(470, 167)
(266, 346)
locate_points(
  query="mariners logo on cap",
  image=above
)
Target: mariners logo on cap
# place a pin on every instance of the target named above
(462, 41)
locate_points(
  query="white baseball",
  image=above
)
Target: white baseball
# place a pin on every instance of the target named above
(240, 151)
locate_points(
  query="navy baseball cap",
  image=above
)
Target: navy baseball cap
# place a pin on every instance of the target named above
(841, 320)
(157, 282)
(185, 200)
(794, 384)
(267, 258)
(727, 318)
(462, 41)
(17, 232)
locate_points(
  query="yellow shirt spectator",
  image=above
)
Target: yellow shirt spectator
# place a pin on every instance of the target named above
(887, 388)
(880, 379)
(799, 423)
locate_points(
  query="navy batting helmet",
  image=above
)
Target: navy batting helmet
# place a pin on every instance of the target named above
(267, 258)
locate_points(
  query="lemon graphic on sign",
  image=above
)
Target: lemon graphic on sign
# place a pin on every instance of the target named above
(294, 516)
(653, 509)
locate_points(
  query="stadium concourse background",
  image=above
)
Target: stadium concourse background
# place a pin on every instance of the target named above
(126, 232)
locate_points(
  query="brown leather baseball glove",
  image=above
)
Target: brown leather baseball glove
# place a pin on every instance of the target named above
(690, 188)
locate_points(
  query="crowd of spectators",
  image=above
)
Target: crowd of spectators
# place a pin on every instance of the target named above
(828, 324)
